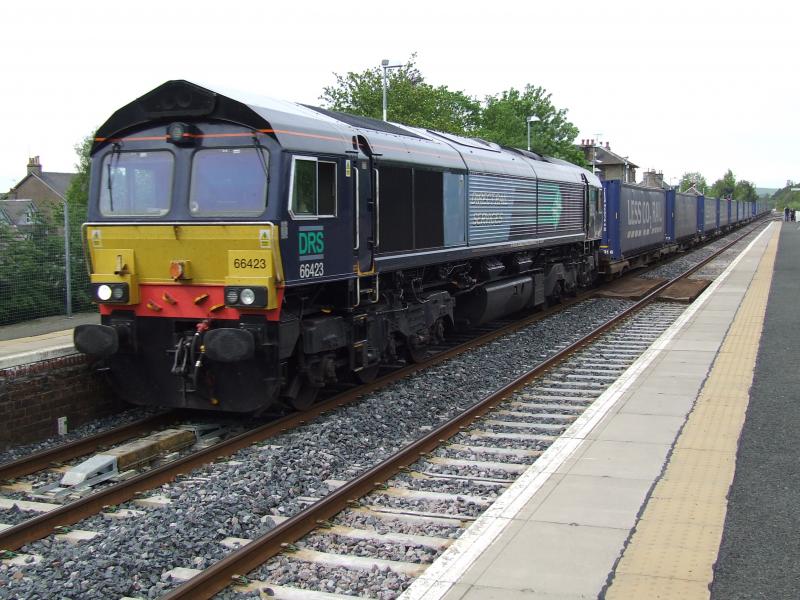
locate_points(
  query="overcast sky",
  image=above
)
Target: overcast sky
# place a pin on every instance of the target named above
(676, 86)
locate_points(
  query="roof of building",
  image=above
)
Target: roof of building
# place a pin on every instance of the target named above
(15, 209)
(58, 181)
(606, 157)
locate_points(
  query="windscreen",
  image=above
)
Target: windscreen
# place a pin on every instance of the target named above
(229, 182)
(136, 184)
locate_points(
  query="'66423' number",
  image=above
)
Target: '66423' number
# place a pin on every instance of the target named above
(314, 269)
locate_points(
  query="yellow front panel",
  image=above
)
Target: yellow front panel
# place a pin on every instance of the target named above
(218, 254)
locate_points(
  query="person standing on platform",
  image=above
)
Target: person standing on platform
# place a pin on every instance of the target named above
(786, 213)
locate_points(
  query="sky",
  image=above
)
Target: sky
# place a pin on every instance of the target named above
(676, 86)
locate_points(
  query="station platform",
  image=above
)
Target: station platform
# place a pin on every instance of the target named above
(42, 339)
(680, 481)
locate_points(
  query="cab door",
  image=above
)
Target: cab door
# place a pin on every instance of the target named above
(366, 213)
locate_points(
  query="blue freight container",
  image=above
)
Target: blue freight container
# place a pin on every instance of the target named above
(635, 219)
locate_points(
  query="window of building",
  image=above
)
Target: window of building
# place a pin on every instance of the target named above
(313, 187)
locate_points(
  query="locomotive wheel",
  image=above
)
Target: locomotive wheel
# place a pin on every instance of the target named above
(368, 374)
(305, 397)
(417, 354)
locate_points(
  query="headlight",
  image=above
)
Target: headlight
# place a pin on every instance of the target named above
(247, 296)
(111, 293)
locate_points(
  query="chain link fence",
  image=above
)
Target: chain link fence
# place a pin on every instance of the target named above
(34, 279)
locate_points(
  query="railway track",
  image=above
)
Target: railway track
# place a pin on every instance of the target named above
(496, 439)
(15, 537)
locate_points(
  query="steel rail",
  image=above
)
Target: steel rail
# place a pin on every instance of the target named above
(40, 526)
(58, 454)
(240, 562)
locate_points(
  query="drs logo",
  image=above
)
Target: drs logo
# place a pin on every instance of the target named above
(311, 247)
(311, 242)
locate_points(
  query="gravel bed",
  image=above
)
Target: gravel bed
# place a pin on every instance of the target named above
(715, 268)
(448, 486)
(449, 452)
(687, 260)
(456, 506)
(464, 438)
(384, 550)
(553, 409)
(360, 520)
(470, 471)
(91, 428)
(230, 499)
(15, 515)
(532, 429)
(377, 583)
(530, 417)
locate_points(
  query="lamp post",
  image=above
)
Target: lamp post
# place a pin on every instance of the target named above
(386, 66)
(625, 175)
(67, 273)
(529, 120)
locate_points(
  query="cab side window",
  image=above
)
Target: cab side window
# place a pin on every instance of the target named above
(313, 187)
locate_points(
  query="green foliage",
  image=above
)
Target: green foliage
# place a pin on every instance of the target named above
(31, 272)
(723, 187)
(500, 119)
(745, 191)
(504, 121)
(32, 282)
(693, 178)
(412, 101)
(786, 197)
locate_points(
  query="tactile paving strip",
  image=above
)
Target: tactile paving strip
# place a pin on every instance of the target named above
(676, 541)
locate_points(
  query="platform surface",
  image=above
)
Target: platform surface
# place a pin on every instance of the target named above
(41, 339)
(633, 502)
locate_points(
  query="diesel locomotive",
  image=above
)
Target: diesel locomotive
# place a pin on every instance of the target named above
(247, 252)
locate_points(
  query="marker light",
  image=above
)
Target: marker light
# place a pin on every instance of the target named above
(232, 296)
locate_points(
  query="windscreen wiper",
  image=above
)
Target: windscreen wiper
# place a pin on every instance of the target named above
(116, 150)
(261, 155)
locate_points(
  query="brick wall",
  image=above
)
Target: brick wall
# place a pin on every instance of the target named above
(34, 396)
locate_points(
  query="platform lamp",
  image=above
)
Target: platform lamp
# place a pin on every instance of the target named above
(595, 160)
(529, 120)
(386, 66)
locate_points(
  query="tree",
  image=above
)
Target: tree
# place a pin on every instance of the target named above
(501, 118)
(77, 202)
(412, 101)
(723, 187)
(745, 191)
(693, 178)
(504, 121)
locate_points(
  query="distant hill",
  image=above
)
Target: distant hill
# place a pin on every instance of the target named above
(786, 197)
(765, 192)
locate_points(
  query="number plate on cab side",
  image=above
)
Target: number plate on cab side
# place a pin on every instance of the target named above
(249, 263)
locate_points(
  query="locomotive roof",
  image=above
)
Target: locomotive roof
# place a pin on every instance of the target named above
(304, 128)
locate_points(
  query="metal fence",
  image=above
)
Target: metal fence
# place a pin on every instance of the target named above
(34, 279)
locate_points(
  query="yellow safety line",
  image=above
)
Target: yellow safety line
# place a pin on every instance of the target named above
(676, 540)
